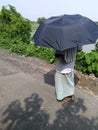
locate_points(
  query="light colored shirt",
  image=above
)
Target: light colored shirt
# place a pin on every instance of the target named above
(67, 65)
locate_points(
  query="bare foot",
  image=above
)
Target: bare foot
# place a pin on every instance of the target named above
(66, 99)
(73, 98)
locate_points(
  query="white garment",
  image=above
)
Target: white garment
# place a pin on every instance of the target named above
(67, 66)
(64, 85)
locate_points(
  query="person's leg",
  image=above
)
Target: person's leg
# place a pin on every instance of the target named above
(70, 79)
(58, 86)
(64, 85)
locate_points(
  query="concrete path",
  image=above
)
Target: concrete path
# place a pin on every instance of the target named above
(28, 101)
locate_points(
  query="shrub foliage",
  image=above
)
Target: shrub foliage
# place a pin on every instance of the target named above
(87, 63)
(13, 27)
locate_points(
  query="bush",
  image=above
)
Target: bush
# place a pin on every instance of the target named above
(40, 20)
(87, 63)
(13, 26)
(19, 48)
(41, 52)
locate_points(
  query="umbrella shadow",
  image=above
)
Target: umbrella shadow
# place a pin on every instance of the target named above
(33, 117)
(49, 78)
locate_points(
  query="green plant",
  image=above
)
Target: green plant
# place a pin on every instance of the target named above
(13, 26)
(40, 20)
(87, 63)
(19, 48)
(41, 52)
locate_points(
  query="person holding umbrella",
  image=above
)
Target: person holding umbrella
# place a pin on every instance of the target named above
(66, 34)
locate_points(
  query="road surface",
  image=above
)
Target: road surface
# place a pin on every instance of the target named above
(28, 101)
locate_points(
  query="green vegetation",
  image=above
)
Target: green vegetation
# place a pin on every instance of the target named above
(31, 50)
(40, 20)
(14, 29)
(16, 34)
(87, 63)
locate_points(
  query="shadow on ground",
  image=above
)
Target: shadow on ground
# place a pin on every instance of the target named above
(33, 117)
(49, 77)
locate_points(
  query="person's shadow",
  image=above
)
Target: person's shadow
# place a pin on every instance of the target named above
(32, 116)
(49, 77)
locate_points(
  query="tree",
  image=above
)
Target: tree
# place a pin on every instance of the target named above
(40, 20)
(13, 27)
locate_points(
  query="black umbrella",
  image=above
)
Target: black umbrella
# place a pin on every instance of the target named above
(66, 31)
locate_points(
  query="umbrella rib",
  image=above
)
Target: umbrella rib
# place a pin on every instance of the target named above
(48, 44)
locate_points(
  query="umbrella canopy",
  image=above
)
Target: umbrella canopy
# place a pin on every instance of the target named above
(66, 31)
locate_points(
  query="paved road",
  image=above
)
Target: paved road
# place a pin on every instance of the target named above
(28, 102)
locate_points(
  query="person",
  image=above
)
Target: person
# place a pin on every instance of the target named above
(64, 76)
